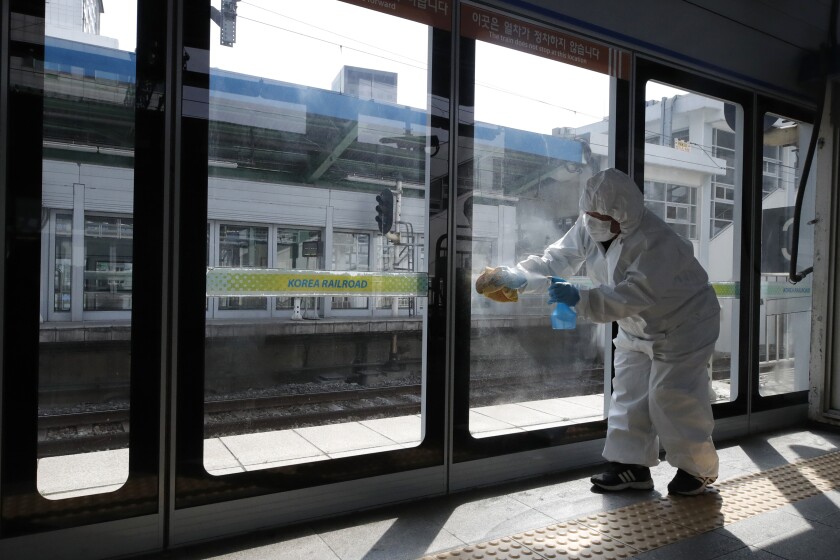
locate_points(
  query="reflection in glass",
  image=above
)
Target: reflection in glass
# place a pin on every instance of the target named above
(88, 244)
(785, 313)
(691, 153)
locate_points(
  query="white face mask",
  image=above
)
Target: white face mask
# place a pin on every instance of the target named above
(599, 230)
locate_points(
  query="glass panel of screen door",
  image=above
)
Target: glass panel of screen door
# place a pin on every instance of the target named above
(86, 250)
(536, 141)
(785, 312)
(304, 151)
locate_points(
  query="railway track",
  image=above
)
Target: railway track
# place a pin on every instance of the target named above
(81, 432)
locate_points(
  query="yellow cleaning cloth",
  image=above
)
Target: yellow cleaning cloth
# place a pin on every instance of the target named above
(490, 284)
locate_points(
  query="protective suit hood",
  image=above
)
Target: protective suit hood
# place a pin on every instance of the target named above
(613, 193)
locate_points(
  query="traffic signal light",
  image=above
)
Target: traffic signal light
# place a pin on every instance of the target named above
(385, 210)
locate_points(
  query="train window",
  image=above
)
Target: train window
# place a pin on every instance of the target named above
(692, 182)
(62, 262)
(108, 263)
(299, 250)
(785, 312)
(242, 246)
(326, 152)
(351, 252)
(87, 250)
(540, 127)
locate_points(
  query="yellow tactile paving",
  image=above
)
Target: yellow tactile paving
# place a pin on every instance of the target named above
(699, 513)
(627, 531)
(635, 527)
(505, 547)
(573, 540)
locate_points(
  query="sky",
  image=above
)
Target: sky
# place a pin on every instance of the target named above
(310, 41)
(120, 22)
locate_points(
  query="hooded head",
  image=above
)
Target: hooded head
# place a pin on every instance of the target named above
(614, 194)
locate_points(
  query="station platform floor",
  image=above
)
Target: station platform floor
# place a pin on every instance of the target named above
(70, 476)
(778, 497)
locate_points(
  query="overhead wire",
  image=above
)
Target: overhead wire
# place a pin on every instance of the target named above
(419, 64)
(340, 45)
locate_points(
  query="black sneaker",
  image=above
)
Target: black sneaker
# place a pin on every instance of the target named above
(624, 477)
(688, 484)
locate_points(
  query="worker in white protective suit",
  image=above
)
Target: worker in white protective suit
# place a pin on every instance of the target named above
(646, 279)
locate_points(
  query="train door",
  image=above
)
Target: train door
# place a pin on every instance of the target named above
(315, 144)
(83, 269)
(537, 118)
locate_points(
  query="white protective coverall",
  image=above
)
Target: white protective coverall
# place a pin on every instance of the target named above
(668, 317)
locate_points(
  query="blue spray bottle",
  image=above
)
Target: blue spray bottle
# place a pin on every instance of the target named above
(563, 317)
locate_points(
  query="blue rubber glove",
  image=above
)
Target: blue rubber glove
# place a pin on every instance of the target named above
(561, 291)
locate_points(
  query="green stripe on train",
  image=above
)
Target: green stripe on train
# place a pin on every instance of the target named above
(771, 290)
